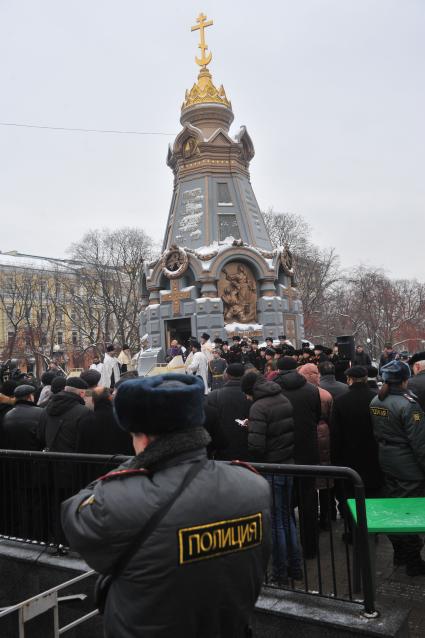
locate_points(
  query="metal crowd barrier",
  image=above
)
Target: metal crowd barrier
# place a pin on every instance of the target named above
(33, 485)
(35, 609)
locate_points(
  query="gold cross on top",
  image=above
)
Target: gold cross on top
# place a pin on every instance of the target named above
(201, 26)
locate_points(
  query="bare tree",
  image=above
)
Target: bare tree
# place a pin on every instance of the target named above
(106, 292)
(287, 229)
(316, 270)
(15, 296)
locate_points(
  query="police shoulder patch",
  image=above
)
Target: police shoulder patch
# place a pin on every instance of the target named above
(417, 416)
(379, 411)
(216, 539)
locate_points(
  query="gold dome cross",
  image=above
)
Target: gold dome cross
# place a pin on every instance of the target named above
(201, 26)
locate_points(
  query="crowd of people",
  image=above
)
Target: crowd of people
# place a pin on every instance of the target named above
(209, 358)
(269, 404)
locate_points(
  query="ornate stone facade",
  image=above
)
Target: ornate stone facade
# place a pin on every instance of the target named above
(218, 272)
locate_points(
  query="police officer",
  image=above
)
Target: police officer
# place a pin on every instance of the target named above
(198, 572)
(399, 427)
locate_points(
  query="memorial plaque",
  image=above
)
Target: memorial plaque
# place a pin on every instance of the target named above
(228, 227)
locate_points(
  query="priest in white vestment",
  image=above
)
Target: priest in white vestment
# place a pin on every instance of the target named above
(198, 365)
(110, 370)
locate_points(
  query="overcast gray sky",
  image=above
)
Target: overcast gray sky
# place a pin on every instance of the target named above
(332, 93)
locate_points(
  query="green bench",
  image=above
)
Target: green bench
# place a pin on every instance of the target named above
(387, 516)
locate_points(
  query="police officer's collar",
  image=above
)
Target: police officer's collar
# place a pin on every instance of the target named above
(173, 448)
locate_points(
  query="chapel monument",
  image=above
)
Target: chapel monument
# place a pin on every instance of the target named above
(218, 272)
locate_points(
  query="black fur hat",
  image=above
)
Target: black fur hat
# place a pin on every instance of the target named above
(160, 404)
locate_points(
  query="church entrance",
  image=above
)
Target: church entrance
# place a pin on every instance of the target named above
(179, 329)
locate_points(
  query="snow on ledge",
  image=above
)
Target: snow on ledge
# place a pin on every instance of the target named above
(232, 327)
(213, 299)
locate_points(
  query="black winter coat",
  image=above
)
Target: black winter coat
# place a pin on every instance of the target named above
(341, 364)
(352, 440)
(416, 385)
(6, 405)
(231, 403)
(20, 427)
(305, 400)
(219, 440)
(335, 388)
(102, 434)
(63, 421)
(361, 359)
(168, 588)
(270, 425)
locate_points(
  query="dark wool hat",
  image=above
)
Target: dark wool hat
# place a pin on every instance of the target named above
(58, 384)
(418, 356)
(235, 370)
(395, 372)
(236, 338)
(248, 381)
(287, 363)
(110, 348)
(254, 341)
(23, 391)
(47, 377)
(269, 339)
(205, 336)
(160, 404)
(357, 372)
(91, 377)
(270, 351)
(225, 343)
(263, 349)
(76, 382)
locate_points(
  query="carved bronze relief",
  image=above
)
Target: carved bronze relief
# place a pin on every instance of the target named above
(238, 290)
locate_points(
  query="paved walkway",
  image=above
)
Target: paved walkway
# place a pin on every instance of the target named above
(392, 582)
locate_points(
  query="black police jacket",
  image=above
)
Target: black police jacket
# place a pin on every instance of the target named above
(199, 573)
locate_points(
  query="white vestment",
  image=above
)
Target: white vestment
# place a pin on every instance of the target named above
(110, 364)
(124, 358)
(97, 366)
(199, 366)
(207, 349)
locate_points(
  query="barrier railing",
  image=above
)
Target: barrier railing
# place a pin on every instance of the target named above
(35, 608)
(33, 485)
